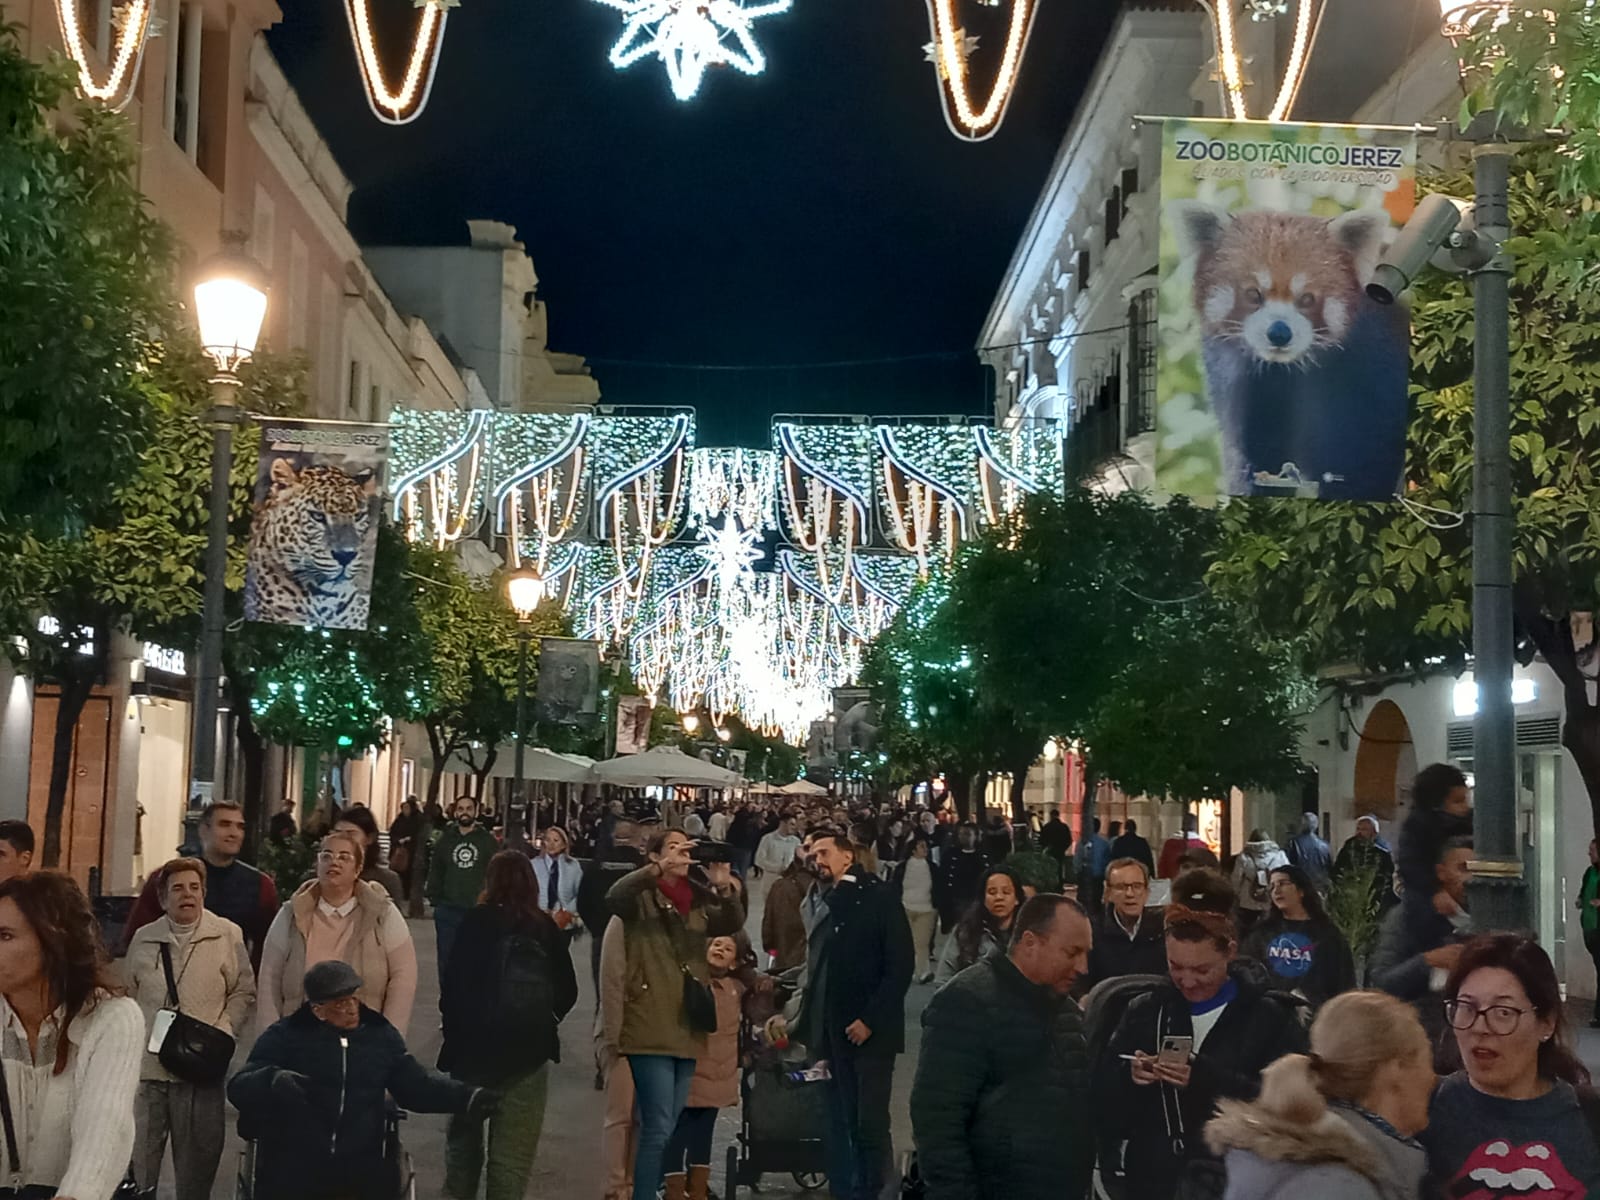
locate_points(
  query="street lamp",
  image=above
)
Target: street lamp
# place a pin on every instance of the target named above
(524, 589)
(691, 723)
(1472, 240)
(230, 302)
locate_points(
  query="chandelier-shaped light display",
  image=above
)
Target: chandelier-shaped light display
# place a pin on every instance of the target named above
(390, 104)
(131, 23)
(657, 547)
(691, 36)
(952, 46)
(1232, 66)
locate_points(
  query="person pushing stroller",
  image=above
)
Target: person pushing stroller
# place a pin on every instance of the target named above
(313, 1095)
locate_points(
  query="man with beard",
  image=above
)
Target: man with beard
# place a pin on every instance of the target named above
(455, 874)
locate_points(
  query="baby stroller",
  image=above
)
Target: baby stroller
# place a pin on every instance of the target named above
(401, 1181)
(781, 1121)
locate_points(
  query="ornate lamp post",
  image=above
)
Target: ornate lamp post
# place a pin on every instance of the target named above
(230, 303)
(524, 589)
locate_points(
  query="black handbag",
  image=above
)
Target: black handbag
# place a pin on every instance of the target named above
(192, 1050)
(699, 1004)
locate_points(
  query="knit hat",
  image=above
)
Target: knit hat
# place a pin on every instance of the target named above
(331, 980)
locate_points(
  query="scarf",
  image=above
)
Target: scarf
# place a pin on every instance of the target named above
(679, 891)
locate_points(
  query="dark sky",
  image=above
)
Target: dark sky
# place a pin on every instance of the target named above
(816, 213)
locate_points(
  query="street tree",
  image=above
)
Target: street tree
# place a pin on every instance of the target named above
(85, 299)
(1387, 587)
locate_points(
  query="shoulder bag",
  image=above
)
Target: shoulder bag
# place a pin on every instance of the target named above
(192, 1050)
(699, 1005)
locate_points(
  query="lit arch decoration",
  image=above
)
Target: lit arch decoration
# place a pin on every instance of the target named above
(131, 22)
(439, 498)
(402, 104)
(1227, 42)
(951, 46)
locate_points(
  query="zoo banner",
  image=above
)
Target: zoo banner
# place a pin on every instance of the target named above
(314, 533)
(1276, 374)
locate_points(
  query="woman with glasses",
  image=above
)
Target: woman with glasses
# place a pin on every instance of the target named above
(339, 916)
(1298, 943)
(1511, 1122)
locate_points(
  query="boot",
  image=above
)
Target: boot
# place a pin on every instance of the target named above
(673, 1187)
(699, 1183)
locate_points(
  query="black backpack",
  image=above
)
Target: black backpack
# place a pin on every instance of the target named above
(523, 1007)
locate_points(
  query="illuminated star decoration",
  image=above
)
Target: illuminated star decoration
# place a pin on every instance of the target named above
(966, 42)
(690, 35)
(730, 550)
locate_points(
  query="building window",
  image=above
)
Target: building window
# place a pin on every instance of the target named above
(263, 229)
(299, 294)
(1113, 215)
(1130, 185)
(1081, 270)
(353, 396)
(375, 404)
(183, 79)
(1142, 363)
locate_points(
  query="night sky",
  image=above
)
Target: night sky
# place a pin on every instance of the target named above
(816, 214)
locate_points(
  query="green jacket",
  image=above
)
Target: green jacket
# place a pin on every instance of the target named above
(457, 864)
(659, 943)
(1588, 914)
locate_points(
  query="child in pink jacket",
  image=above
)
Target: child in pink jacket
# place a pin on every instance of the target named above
(715, 1084)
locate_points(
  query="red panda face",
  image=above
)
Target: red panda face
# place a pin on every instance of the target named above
(1282, 286)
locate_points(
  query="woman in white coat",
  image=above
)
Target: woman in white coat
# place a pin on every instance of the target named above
(558, 874)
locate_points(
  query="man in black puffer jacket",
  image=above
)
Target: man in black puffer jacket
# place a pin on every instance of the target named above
(313, 1094)
(1000, 1104)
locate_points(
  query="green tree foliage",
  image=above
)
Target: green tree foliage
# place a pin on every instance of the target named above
(933, 715)
(474, 634)
(85, 294)
(1388, 587)
(1089, 618)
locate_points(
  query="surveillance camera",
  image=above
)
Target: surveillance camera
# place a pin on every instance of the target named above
(1425, 234)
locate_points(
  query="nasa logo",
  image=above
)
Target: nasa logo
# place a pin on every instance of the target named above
(1290, 955)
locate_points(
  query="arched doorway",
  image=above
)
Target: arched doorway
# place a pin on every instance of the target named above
(1386, 762)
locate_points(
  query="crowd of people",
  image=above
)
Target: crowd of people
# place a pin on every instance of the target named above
(1213, 1046)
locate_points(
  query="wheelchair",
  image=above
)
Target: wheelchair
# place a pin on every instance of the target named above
(397, 1163)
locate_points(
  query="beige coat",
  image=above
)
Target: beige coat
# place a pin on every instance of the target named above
(380, 949)
(716, 1071)
(215, 982)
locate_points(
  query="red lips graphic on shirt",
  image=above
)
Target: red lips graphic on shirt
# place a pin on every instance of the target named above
(1498, 1170)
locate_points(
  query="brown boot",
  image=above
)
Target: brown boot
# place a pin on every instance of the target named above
(674, 1187)
(699, 1183)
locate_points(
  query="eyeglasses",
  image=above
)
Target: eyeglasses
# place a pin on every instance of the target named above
(1499, 1019)
(338, 856)
(1127, 887)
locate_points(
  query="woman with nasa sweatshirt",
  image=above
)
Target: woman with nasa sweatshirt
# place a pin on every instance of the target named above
(1299, 945)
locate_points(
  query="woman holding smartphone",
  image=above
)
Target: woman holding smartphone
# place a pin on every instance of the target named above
(1203, 1036)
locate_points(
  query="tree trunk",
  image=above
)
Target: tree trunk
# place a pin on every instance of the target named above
(481, 774)
(76, 680)
(1580, 732)
(253, 762)
(442, 746)
(959, 785)
(1019, 785)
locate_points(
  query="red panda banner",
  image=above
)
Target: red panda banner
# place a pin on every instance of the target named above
(1276, 374)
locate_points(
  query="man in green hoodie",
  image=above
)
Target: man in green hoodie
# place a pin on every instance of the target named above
(456, 869)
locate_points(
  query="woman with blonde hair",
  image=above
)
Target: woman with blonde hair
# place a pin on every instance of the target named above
(1341, 1122)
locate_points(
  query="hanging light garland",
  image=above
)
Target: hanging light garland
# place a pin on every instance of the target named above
(132, 23)
(690, 36)
(1232, 66)
(966, 119)
(397, 106)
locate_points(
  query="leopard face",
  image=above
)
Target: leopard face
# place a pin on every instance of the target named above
(306, 544)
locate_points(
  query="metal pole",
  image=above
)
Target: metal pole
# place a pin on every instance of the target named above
(516, 818)
(1499, 892)
(208, 669)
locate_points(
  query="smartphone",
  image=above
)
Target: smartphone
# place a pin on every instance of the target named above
(1175, 1051)
(159, 1028)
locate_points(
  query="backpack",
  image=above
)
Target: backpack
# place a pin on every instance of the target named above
(523, 1006)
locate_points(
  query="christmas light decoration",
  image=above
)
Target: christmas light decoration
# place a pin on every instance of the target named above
(690, 36)
(1232, 67)
(397, 106)
(438, 497)
(966, 119)
(132, 25)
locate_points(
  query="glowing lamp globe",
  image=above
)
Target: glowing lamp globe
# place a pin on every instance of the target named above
(690, 722)
(524, 589)
(724, 734)
(230, 303)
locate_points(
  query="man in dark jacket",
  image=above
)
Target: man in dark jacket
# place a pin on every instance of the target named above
(853, 1015)
(783, 928)
(961, 872)
(1000, 1104)
(1129, 938)
(1366, 851)
(1419, 944)
(313, 1093)
(1128, 844)
(623, 854)
(1311, 854)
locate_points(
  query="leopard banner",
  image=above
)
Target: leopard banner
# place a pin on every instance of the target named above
(314, 532)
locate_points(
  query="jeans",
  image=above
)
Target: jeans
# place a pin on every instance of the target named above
(860, 1148)
(513, 1140)
(193, 1119)
(447, 919)
(691, 1141)
(661, 1083)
